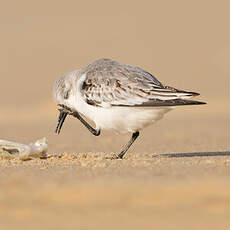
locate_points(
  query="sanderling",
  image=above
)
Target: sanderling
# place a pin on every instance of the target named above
(116, 97)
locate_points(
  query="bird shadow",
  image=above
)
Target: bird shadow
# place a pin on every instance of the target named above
(195, 154)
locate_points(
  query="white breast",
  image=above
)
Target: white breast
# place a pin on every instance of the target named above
(119, 119)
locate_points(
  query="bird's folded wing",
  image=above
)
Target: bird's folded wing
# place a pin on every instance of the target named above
(129, 86)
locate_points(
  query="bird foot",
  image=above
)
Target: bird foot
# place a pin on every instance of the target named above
(114, 157)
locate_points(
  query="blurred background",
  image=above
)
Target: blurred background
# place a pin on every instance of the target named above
(185, 44)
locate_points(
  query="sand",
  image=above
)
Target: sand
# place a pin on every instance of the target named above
(175, 176)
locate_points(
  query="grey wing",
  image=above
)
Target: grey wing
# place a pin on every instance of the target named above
(112, 84)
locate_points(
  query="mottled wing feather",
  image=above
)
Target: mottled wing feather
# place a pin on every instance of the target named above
(109, 83)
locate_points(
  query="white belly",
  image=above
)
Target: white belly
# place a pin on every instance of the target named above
(120, 119)
(127, 119)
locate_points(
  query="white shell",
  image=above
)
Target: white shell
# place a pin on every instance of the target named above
(12, 150)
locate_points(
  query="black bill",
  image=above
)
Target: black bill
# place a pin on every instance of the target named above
(61, 119)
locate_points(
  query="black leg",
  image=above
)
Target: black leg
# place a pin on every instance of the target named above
(68, 111)
(133, 138)
(86, 124)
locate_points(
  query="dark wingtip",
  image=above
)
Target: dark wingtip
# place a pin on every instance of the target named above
(190, 102)
(169, 103)
(194, 94)
(201, 103)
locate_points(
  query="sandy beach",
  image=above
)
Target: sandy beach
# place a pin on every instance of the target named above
(175, 176)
